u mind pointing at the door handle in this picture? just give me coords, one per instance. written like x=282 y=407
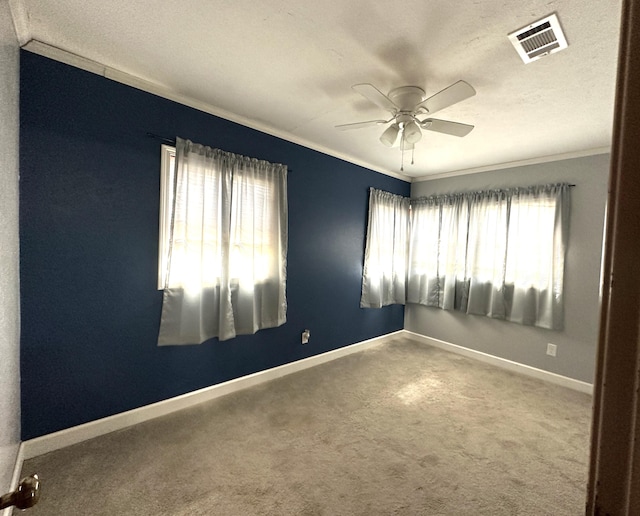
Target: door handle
x=26 y=495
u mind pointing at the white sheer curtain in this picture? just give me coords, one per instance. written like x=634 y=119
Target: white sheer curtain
x=424 y=275
x=385 y=260
x=487 y=253
x=535 y=277
x=226 y=258
x=497 y=253
x=438 y=247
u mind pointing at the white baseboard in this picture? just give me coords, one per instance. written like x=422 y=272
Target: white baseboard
x=57 y=440
x=509 y=365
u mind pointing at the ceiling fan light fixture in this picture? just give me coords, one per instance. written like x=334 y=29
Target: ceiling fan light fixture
x=406 y=146
x=412 y=133
x=388 y=137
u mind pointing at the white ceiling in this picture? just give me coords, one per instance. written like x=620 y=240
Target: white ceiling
x=287 y=66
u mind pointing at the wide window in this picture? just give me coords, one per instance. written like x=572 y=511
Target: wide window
x=223 y=244
x=498 y=253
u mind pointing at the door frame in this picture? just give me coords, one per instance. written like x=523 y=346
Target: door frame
x=614 y=470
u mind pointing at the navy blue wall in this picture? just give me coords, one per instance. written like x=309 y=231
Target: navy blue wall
x=89 y=201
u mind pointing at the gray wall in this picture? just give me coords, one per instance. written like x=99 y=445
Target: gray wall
x=527 y=345
x=9 y=311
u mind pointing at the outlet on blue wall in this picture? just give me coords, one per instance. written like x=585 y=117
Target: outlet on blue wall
x=89 y=202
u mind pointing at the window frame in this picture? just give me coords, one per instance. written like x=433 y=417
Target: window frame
x=167 y=178
x=167 y=171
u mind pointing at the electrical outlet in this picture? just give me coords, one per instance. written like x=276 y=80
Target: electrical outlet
x=551 y=349
x=306 y=335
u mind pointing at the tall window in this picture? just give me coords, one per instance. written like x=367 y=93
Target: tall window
x=385 y=265
x=223 y=244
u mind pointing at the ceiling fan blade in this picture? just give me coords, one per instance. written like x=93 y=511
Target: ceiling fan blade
x=451 y=95
x=446 y=127
x=370 y=92
x=359 y=125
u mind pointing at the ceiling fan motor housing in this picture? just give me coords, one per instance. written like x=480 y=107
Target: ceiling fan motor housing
x=407 y=97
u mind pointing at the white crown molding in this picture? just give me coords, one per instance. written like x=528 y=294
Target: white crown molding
x=63 y=56
x=20 y=21
x=513 y=164
x=38 y=47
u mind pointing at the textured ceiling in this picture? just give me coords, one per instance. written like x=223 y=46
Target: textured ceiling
x=287 y=67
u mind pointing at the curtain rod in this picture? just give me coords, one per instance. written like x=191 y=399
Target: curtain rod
x=171 y=141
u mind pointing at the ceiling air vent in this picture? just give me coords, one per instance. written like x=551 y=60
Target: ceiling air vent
x=539 y=39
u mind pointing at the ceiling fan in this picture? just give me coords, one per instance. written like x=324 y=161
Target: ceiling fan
x=406 y=104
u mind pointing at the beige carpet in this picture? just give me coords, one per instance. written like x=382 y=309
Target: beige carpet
x=400 y=429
